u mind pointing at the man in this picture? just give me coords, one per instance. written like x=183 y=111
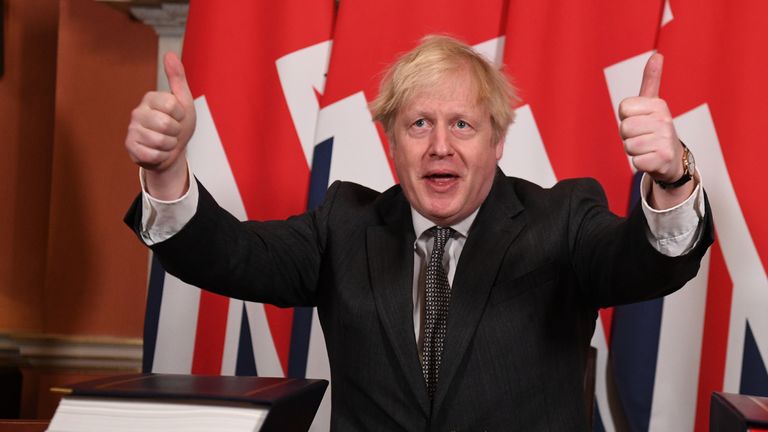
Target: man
x=461 y=299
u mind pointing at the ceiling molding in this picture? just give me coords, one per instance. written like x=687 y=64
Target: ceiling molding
x=126 y=5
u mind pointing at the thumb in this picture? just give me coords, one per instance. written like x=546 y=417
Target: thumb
x=652 y=76
x=177 y=79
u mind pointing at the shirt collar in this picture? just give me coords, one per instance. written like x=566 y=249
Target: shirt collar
x=422 y=224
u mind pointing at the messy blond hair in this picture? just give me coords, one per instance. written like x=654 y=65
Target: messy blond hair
x=424 y=66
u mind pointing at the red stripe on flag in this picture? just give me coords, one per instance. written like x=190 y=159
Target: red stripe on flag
x=713 y=349
x=716 y=55
x=369 y=36
x=230 y=53
x=557 y=57
x=210 y=334
x=606 y=316
x=280 y=325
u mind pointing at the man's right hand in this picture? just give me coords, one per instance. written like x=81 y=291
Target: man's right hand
x=160 y=129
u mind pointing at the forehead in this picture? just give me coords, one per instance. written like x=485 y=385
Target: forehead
x=456 y=89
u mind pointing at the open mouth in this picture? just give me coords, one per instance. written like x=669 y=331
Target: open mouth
x=441 y=180
x=441 y=176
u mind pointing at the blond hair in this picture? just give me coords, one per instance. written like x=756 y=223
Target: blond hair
x=427 y=64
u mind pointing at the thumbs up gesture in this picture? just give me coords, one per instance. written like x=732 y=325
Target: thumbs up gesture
x=159 y=131
x=648 y=132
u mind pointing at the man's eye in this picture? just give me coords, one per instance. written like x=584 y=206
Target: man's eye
x=420 y=123
x=461 y=124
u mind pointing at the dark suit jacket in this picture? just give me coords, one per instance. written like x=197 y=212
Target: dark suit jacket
x=536 y=266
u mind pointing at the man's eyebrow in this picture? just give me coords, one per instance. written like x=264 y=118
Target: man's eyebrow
x=417 y=113
x=428 y=112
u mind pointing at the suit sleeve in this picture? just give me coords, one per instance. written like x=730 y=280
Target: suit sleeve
x=276 y=262
x=612 y=257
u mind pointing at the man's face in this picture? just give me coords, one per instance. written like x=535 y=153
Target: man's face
x=443 y=152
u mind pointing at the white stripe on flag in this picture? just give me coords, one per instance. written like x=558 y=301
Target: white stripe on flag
x=358 y=155
x=209 y=162
x=666 y=16
x=601 y=374
x=265 y=355
x=318 y=367
x=492 y=49
x=676 y=385
x=524 y=153
x=232 y=338
x=750 y=286
x=176 y=327
x=301 y=73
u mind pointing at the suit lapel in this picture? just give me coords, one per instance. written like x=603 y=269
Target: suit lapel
x=390 y=261
x=498 y=223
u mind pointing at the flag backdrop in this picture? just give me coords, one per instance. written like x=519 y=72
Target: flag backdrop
x=251 y=151
x=282 y=89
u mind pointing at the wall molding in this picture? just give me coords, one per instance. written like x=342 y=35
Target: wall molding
x=92 y=353
x=170 y=19
x=167 y=17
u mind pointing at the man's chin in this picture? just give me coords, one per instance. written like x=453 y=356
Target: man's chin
x=442 y=217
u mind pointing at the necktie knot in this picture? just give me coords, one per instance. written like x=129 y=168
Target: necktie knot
x=441 y=235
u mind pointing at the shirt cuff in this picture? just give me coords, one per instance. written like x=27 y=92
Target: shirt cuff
x=160 y=220
x=674 y=231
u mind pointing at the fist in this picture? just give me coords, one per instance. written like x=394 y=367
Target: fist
x=646 y=127
x=163 y=123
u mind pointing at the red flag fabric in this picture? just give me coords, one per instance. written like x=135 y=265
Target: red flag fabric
x=715 y=83
x=256 y=167
x=258 y=69
x=369 y=36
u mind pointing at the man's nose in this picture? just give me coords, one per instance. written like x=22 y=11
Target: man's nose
x=440 y=142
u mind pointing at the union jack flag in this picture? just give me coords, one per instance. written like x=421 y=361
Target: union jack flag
x=282 y=90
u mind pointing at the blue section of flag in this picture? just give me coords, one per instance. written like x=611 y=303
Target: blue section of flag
x=152 y=314
x=597 y=425
x=246 y=363
x=321 y=172
x=754 y=377
x=300 y=332
x=302 y=316
x=634 y=349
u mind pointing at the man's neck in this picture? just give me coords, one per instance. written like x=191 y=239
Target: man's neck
x=422 y=223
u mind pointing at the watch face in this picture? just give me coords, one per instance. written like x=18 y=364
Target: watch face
x=691 y=165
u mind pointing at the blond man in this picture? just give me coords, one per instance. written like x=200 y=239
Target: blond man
x=460 y=299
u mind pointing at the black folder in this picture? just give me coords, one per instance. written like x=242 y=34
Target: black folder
x=292 y=403
x=730 y=412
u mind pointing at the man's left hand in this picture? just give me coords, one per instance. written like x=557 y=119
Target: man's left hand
x=650 y=137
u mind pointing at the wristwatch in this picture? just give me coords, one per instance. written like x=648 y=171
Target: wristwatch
x=689 y=167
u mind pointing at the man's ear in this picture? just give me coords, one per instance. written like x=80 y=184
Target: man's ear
x=500 y=148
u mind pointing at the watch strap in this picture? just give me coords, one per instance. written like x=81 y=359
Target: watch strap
x=675 y=184
x=686 y=173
